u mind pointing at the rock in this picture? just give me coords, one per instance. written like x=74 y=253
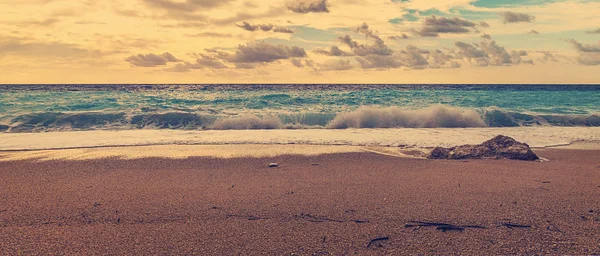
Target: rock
x=273 y=165
x=439 y=153
x=500 y=147
x=469 y=151
x=3 y=127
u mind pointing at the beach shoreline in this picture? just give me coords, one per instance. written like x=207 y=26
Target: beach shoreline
x=333 y=203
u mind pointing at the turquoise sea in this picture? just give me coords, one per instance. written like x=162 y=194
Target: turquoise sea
x=38 y=108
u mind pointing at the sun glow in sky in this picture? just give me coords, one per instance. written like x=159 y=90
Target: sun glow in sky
x=302 y=41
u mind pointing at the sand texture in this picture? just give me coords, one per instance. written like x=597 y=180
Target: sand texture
x=333 y=204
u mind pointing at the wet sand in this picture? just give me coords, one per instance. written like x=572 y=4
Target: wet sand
x=331 y=204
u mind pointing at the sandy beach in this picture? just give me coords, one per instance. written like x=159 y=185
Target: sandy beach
x=339 y=203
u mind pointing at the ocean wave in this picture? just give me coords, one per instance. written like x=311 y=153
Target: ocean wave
x=435 y=116
x=247 y=123
x=395 y=117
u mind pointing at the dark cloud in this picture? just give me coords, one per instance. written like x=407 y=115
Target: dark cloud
x=589 y=54
x=484 y=24
x=151 y=59
x=533 y=32
x=513 y=17
x=209 y=62
x=487 y=53
x=413 y=57
x=439 y=59
x=364 y=29
x=306 y=6
x=433 y=26
x=283 y=30
x=333 y=51
x=240 y=65
x=202 y=62
x=249 y=27
x=486 y=36
x=584 y=48
x=400 y=37
x=377 y=48
x=264 y=27
x=298 y=63
x=378 y=61
x=593 y=31
x=262 y=52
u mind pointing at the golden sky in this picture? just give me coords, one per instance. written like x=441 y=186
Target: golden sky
x=302 y=41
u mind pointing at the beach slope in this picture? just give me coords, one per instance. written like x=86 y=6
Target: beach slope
x=337 y=203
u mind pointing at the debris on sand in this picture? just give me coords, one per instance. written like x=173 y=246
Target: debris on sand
x=377 y=242
x=500 y=147
x=273 y=165
x=513 y=225
x=440 y=226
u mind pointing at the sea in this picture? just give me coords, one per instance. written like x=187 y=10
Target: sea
x=76 y=107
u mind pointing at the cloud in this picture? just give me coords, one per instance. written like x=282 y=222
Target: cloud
x=364 y=29
x=297 y=62
x=151 y=59
x=377 y=48
x=592 y=59
x=513 y=17
x=379 y=56
x=589 y=54
x=264 y=27
x=40 y=23
x=262 y=52
x=486 y=36
x=202 y=61
x=533 y=32
x=439 y=59
x=378 y=61
x=400 y=37
x=333 y=51
x=283 y=30
x=336 y=65
x=413 y=57
x=433 y=26
x=548 y=56
x=593 y=31
x=307 y=6
x=486 y=54
x=584 y=48
x=210 y=34
x=247 y=26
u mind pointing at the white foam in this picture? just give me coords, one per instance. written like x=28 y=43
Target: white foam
x=409 y=137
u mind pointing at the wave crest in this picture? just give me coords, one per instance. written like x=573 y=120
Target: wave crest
x=392 y=117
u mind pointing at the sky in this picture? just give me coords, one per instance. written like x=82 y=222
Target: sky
x=302 y=41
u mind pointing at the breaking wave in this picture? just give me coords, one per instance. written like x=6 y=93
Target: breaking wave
x=364 y=117
x=394 y=117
